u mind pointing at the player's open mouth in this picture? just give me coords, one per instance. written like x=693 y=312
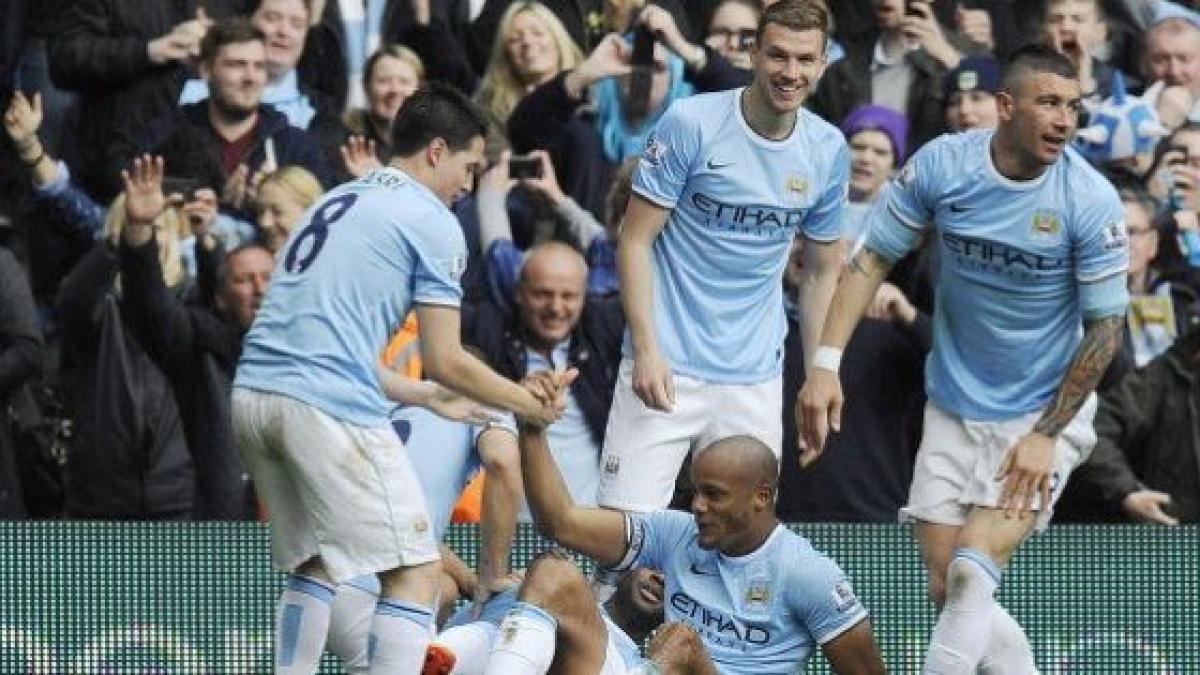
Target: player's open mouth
x=1055 y=142
x=650 y=595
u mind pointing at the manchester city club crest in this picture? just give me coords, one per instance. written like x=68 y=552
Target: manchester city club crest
x=797 y=185
x=1046 y=224
x=758 y=593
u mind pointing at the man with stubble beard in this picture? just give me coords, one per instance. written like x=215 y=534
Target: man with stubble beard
x=249 y=137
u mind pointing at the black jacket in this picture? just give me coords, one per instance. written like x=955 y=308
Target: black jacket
x=198 y=351
x=847 y=85
x=20 y=360
x=128 y=457
x=1148 y=431
x=595 y=349
x=293 y=146
x=100 y=53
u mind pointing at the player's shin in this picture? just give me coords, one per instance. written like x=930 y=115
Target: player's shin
x=301 y=622
x=961 y=635
x=400 y=633
x=350 y=621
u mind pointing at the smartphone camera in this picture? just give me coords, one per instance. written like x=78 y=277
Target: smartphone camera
x=520 y=167
x=182 y=186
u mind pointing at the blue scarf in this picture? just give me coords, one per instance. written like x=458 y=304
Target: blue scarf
x=621 y=141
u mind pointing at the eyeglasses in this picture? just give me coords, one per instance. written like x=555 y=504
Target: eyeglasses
x=744 y=38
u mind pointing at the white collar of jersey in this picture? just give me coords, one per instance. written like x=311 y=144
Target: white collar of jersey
x=1022 y=185
x=757 y=138
x=757 y=553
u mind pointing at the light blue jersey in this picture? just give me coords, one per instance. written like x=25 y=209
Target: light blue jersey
x=760 y=614
x=1022 y=265
x=738 y=200
x=444 y=455
x=354 y=266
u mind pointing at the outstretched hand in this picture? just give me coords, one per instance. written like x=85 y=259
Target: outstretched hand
x=358 y=156
x=144 y=199
x=23 y=118
x=549 y=390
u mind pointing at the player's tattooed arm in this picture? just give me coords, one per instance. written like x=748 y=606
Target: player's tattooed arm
x=1101 y=340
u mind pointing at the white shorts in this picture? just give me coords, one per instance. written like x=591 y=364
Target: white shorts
x=342 y=492
x=958 y=460
x=644 y=448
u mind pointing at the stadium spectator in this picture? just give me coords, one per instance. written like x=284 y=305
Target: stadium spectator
x=998 y=442
x=195 y=347
x=725 y=184
x=20 y=362
x=900 y=64
x=865 y=474
x=250 y=137
x=284 y=25
x=1173 y=54
x=588 y=144
x=504 y=259
x=310 y=397
x=1077 y=29
x=129 y=457
x=970 y=92
x=390 y=76
x=732 y=31
x=1146 y=465
x=282 y=198
x=733 y=536
x=126 y=59
x=877 y=136
x=586 y=21
x=554 y=324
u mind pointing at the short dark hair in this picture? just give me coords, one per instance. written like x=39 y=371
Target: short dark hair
x=796 y=15
x=1036 y=57
x=228 y=32
x=221 y=276
x=436 y=111
x=1130 y=188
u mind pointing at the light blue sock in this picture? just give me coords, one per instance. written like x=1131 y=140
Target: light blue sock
x=301 y=622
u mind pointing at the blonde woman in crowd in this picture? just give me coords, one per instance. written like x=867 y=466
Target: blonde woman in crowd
x=531 y=48
x=283 y=197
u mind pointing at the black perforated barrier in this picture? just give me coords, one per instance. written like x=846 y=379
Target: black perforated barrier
x=198 y=598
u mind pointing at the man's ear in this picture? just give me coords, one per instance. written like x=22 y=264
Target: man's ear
x=205 y=71
x=1005 y=104
x=436 y=151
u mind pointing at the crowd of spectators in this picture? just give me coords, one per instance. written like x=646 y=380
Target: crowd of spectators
x=117 y=351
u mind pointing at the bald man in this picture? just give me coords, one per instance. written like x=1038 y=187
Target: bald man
x=553 y=324
x=743 y=594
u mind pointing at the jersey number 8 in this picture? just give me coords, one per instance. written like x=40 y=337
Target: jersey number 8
x=317 y=230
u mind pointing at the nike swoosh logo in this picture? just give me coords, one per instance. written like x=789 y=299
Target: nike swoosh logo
x=959 y=208
x=696 y=570
x=713 y=164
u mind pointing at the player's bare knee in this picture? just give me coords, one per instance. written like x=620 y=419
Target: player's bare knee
x=418 y=583
x=937 y=590
x=555 y=584
x=314 y=569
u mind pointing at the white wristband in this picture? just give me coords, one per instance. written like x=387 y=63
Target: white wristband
x=827 y=358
